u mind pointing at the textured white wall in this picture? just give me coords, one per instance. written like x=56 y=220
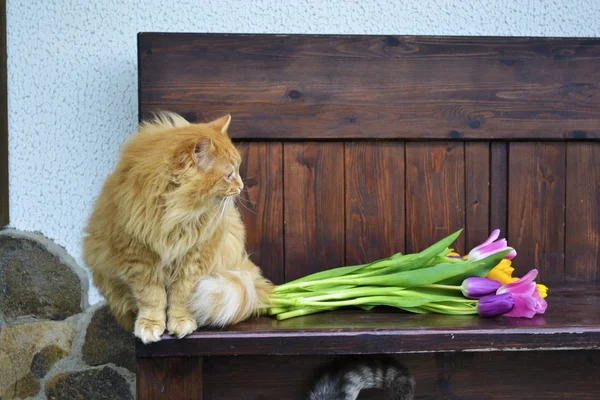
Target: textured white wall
x=72 y=75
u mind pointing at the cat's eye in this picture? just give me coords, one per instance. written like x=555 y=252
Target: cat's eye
x=230 y=176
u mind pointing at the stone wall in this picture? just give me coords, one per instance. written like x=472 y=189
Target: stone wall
x=52 y=344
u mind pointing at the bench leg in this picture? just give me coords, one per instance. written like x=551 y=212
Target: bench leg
x=166 y=378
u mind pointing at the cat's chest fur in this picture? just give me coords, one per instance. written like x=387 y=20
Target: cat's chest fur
x=200 y=240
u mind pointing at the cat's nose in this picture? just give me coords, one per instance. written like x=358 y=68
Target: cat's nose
x=241 y=186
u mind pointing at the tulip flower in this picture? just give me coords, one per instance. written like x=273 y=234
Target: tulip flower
x=495 y=304
x=526 y=296
x=476 y=288
x=490 y=246
x=424 y=282
x=543 y=290
x=453 y=254
x=503 y=273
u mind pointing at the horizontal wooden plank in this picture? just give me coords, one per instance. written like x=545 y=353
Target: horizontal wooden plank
x=571 y=322
x=407 y=87
x=505 y=375
x=169 y=378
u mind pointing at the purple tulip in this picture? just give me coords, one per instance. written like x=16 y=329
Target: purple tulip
x=526 y=296
x=490 y=246
x=495 y=304
x=475 y=288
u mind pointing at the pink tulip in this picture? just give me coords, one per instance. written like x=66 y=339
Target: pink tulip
x=528 y=301
x=490 y=247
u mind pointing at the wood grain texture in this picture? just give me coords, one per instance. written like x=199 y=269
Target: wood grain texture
x=536 y=213
x=407 y=87
x=435 y=193
x=261 y=205
x=499 y=187
x=582 y=246
x=3 y=120
x=477 y=193
x=374 y=200
x=572 y=321
x=512 y=375
x=314 y=207
x=169 y=378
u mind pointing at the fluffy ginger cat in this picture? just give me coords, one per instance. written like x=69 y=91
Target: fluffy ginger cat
x=165 y=241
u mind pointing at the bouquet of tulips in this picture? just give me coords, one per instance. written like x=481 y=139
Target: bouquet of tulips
x=436 y=280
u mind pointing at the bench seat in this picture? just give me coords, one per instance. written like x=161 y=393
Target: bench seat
x=572 y=322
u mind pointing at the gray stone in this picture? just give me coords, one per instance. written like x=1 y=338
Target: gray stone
x=45 y=359
x=27 y=386
x=92 y=384
x=20 y=345
x=35 y=282
x=106 y=342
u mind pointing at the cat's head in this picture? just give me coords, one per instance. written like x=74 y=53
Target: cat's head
x=205 y=165
x=191 y=167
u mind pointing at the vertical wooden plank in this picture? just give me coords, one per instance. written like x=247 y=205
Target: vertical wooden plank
x=314 y=207
x=477 y=193
x=261 y=205
x=536 y=207
x=374 y=200
x=499 y=187
x=3 y=120
x=582 y=237
x=435 y=193
x=164 y=378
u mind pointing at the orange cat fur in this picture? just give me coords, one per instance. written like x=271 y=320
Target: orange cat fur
x=165 y=241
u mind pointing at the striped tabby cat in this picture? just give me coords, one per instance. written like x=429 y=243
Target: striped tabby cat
x=345 y=380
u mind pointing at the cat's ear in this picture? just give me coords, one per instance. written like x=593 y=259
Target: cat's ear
x=222 y=123
x=203 y=153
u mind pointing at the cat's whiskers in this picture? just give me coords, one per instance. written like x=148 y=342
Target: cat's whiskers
x=225 y=207
x=245 y=206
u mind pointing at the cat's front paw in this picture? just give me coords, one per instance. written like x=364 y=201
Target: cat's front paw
x=181 y=326
x=149 y=330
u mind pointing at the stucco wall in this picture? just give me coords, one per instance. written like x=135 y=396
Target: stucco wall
x=72 y=75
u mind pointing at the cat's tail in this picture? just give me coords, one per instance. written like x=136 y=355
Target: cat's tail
x=346 y=379
x=228 y=297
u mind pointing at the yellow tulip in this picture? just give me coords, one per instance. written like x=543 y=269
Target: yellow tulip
x=543 y=290
x=502 y=273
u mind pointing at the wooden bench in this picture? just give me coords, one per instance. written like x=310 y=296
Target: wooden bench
x=358 y=147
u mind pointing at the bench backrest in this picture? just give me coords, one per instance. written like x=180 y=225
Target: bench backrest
x=358 y=147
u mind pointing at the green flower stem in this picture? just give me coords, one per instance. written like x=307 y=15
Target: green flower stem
x=443 y=309
x=349 y=293
x=278 y=310
x=448 y=287
x=282 y=302
x=392 y=301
